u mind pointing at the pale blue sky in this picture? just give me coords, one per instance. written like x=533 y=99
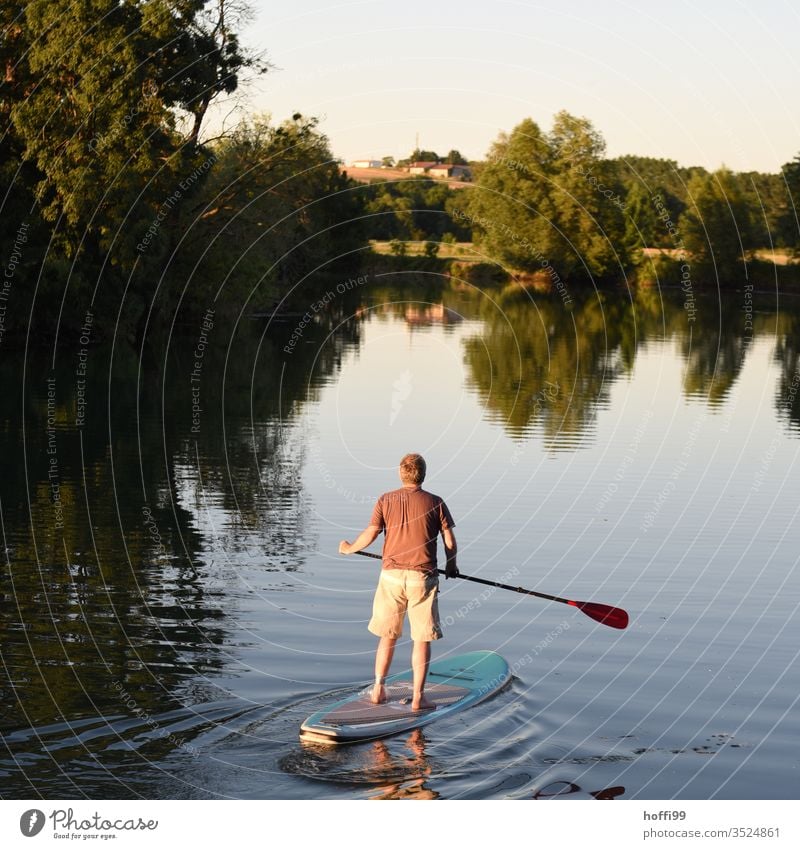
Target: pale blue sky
x=705 y=83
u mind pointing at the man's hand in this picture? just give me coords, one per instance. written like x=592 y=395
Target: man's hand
x=451 y=552
x=364 y=539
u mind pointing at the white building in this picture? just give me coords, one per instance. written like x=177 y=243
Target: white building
x=454 y=172
x=421 y=167
x=366 y=163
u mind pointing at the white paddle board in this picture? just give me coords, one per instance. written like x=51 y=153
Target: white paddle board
x=453 y=684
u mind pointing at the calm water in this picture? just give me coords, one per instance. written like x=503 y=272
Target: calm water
x=173 y=605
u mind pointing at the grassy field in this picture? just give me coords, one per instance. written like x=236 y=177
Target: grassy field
x=464 y=251
x=778 y=256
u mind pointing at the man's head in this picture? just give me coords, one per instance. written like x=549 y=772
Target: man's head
x=412 y=470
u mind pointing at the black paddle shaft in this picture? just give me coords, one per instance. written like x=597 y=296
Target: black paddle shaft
x=487 y=583
x=614 y=617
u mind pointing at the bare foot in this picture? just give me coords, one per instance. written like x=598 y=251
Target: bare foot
x=421 y=703
x=378 y=696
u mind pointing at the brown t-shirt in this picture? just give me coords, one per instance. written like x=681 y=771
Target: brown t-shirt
x=412 y=520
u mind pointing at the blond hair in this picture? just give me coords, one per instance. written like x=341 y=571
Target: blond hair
x=412 y=469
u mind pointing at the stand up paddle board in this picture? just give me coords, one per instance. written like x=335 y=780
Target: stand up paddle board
x=453 y=684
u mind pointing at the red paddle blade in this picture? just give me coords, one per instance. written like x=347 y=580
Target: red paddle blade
x=614 y=617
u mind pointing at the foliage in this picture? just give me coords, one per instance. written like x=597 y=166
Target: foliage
x=273 y=208
x=103 y=108
x=768 y=198
x=413 y=209
x=540 y=201
x=418 y=155
x=787 y=221
x=663 y=183
x=717 y=226
x=642 y=228
x=454 y=157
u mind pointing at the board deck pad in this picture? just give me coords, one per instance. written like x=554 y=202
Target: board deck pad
x=398 y=703
x=453 y=684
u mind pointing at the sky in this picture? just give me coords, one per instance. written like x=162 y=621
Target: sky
x=704 y=83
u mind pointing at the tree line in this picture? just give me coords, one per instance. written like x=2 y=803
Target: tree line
x=115 y=201
x=553 y=202
x=553 y=199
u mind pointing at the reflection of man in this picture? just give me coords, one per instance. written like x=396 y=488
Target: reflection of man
x=409 y=583
x=408 y=774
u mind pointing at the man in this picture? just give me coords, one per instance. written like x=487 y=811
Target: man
x=409 y=583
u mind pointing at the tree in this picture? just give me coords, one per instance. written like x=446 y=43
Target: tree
x=18 y=178
x=588 y=204
x=511 y=207
x=96 y=94
x=769 y=200
x=213 y=58
x=549 y=202
x=717 y=226
x=454 y=157
x=387 y=162
x=641 y=224
x=413 y=209
x=274 y=208
x=418 y=155
x=655 y=175
x=788 y=224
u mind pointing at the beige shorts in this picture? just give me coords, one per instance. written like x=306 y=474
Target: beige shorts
x=402 y=591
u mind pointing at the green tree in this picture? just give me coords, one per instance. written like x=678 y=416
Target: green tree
x=96 y=96
x=717 y=226
x=511 y=207
x=212 y=59
x=454 y=157
x=418 y=155
x=414 y=209
x=18 y=177
x=274 y=208
x=549 y=201
x=788 y=221
x=641 y=223
x=655 y=175
x=769 y=201
x=95 y=124
x=588 y=204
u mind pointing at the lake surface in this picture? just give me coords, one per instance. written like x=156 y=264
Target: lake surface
x=173 y=604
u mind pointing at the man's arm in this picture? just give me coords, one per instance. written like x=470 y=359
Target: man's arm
x=451 y=552
x=364 y=539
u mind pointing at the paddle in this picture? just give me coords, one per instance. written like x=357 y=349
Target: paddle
x=614 y=617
